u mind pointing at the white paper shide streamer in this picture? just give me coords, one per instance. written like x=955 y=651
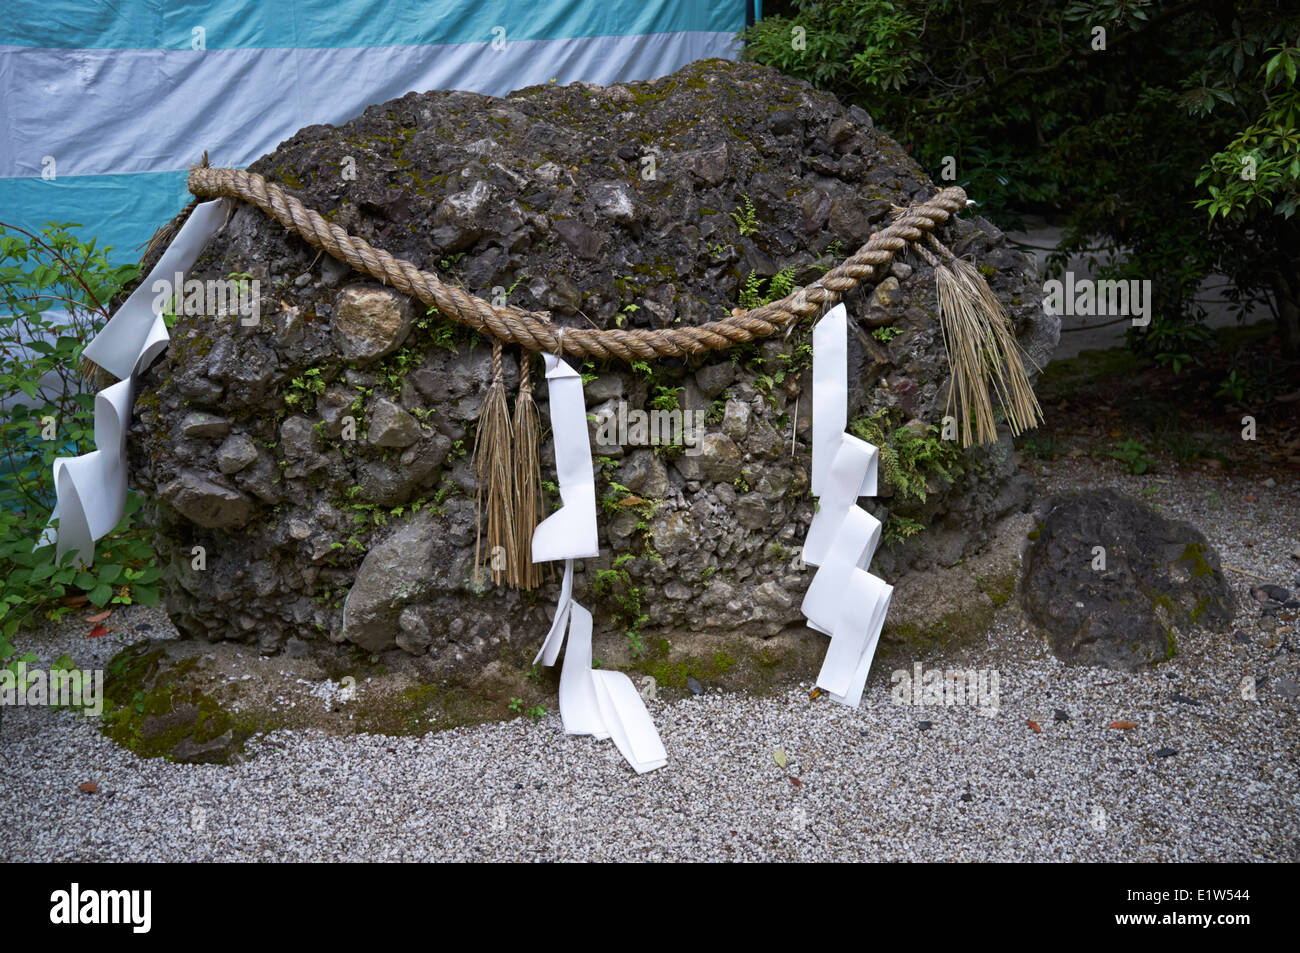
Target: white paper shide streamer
x=843 y=600
x=91 y=489
x=592 y=701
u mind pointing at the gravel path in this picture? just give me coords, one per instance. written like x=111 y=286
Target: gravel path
x=1204 y=775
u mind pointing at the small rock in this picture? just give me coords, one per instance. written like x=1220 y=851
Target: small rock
x=925 y=725
x=390 y=426
x=370 y=321
x=1240 y=636
x=1061 y=715
x=888 y=294
x=235 y=453
x=694 y=685
x=207 y=503
x=1166 y=752
x=199 y=424
x=735 y=420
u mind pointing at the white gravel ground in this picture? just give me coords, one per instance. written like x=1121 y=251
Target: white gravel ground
x=867 y=784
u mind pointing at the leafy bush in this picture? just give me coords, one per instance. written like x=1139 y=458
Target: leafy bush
x=1133 y=143
x=48 y=413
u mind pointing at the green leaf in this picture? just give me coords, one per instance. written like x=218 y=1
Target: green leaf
x=100 y=594
x=145 y=595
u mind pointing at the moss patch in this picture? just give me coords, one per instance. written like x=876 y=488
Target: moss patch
x=151 y=709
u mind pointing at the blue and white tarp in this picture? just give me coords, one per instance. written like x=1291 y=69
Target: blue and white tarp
x=104 y=105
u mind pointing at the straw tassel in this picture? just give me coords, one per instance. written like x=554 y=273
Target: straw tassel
x=492 y=471
x=527 y=480
x=982 y=350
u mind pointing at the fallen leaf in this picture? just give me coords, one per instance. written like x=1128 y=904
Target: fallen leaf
x=779 y=757
x=631 y=501
x=99 y=616
x=1249 y=497
x=1034 y=725
x=1076 y=452
x=795 y=781
x=88 y=787
x=1123 y=725
x=75 y=601
x=98 y=632
x=815 y=694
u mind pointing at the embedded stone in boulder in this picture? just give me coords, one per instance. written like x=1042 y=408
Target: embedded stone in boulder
x=235 y=453
x=1108 y=580
x=390 y=426
x=370 y=321
x=395 y=574
x=199 y=424
x=206 y=502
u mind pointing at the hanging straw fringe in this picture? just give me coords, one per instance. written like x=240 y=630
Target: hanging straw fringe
x=524 y=574
x=492 y=474
x=982 y=350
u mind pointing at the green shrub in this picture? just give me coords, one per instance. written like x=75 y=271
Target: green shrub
x=49 y=413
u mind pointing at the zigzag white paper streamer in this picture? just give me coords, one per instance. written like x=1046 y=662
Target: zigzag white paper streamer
x=592 y=702
x=90 y=490
x=843 y=600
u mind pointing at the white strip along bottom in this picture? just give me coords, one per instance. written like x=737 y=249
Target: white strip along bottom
x=592 y=701
x=90 y=490
x=843 y=600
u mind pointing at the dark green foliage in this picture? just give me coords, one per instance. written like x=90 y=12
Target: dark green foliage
x=1134 y=143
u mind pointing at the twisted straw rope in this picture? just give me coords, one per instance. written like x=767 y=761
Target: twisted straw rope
x=535 y=331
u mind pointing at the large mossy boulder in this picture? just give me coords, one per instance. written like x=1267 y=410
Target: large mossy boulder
x=348 y=408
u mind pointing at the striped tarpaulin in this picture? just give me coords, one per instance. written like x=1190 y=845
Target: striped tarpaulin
x=104 y=105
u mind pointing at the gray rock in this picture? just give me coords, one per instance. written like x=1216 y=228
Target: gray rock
x=614 y=201
x=583 y=241
x=735 y=420
x=1158 y=575
x=753 y=512
x=605 y=387
x=720 y=459
x=417 y=627
x=370 y=321
x=199 y=424
x=394 y=574
x=644 y=473
x=888 y=294
x=206 y=503
x=333 y=406
x=298 y=437
x=673 y=533
x=235 y=453
x=390 y=426
x=713 y=378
